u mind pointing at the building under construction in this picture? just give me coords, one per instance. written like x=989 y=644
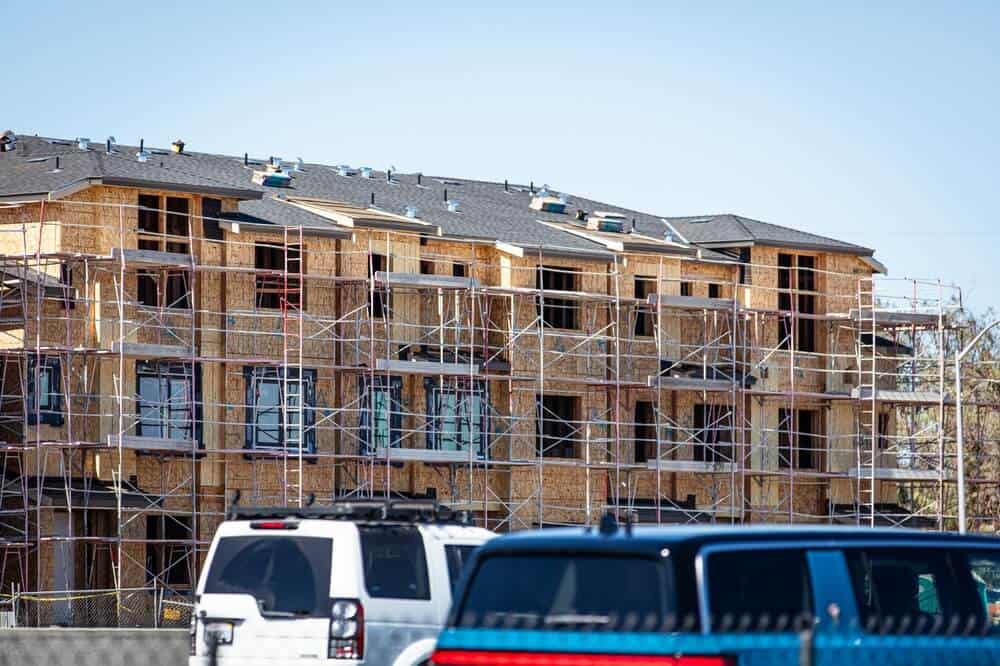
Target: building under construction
x=177 y=328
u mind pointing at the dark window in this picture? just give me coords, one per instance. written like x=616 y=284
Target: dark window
x=457 y=417
x=714 y=290
x=285 y=574
x=926 y=586
x=556 y=431
x=745 y=277
x=785 y=262
x=806 y=277
x=686 y=289
x=798 y=439
x=459 y=270
x=713 y=433
x=281 y=413
x=68 y=301
x=791 y=298
x=884 y=436
x=150 y=228
x=168 y=400
x=211 y=211
x=381 y=420
x=644 y=316
x=645 y=432
x=379 y=302
x=742 y=584
x=570 y=591
x=147 y=288
x=395 y=564
x=178 y=292
x=178 y=225
x=457 y=558
x=168 y=561
x=43 y=397
x=276 y=286
x=426 y=267
x=558 y=312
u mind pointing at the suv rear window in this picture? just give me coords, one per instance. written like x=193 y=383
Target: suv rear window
x=568 y=591
x=286 y=575
x=395 y=562
x=754 y=584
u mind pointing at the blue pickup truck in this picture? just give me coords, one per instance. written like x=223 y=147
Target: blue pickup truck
x=713 y=596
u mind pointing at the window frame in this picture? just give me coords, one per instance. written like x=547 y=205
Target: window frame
x=558 y=313
x=648 y=445
x=379 y=297
x=161 y=553
x=146 y=368
x=51 y=412
x=368 y=386
x=211 y=211
x=557 y=445
x=790 y=444
x=253 y=378
x=645 y=323
x=710 y=447
x=464 y=391
x=269 y=288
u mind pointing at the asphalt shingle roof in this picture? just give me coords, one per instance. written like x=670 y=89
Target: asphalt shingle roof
x=486 y=209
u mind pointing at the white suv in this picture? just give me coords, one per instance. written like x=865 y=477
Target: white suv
x=354 y=583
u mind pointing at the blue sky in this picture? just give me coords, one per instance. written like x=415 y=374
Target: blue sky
x=871 y=122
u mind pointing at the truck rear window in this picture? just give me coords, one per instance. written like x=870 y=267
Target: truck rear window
x=288 y=576
x=569 y=591
x=919 y=591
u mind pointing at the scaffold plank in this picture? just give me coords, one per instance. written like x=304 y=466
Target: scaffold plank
x=418 y=280
x=426 y=367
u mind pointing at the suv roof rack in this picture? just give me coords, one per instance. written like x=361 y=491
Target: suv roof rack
x=378 y=511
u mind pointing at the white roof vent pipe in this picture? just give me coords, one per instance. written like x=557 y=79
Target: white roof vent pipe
x=452 y=206
x=299 y=165
x=366 y=172
x=410 y=211
x=343 y=170
x=83 y=143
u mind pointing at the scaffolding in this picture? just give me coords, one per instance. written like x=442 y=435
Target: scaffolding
x=150 y=380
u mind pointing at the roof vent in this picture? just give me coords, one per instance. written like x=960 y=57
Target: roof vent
x=142 y=156
x=410 y=211
x=177 y=146
x=300 y=166
x=109 y=145
x=608 y=222
x=343 y=170
x=272 y=176
x=547 y=202
x=366 y=172
x=452 y=206
x=8 y=141
x=83 y=143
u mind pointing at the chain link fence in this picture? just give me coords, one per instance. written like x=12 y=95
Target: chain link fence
x=493 y=640
x=126 y=608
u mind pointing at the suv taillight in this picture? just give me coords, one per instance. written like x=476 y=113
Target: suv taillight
x=193 y=631
x=504 y=658
x=347 y=629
